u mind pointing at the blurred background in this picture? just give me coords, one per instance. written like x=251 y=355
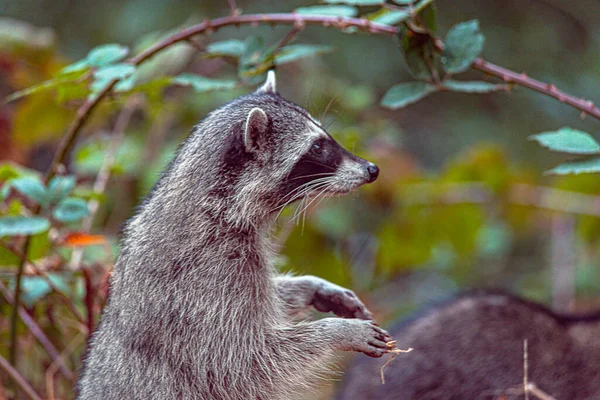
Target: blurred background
x=462 y=200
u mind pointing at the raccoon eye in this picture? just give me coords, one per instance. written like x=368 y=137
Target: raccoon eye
x=317 y=149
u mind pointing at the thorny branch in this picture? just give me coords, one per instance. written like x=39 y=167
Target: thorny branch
x=508 y=76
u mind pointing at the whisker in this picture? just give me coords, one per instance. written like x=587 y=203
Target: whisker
x=323 y=165
x=305 y=209
x=313 y=175
x=301 y=191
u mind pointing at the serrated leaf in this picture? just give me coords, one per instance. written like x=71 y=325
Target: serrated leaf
x=294 y=52
x=388 y=17
x=31 y=187
x=202 y=84
x=357 y=2
x=403 y=94
x=464 y=43
x=19 y=226
x=577 y=167
x=106 y=54
x=336 y=11
x=568 y=140
x=472 y=86
x=70 y=209
x=59 y=187
x=231 y=48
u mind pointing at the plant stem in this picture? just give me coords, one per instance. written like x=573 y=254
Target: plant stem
x=585 y=106
x=18 y=379
x=14 y=316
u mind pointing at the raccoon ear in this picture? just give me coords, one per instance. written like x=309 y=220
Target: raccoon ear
x=255 y=129
x=270 y=84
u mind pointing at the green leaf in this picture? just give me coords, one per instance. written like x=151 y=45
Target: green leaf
x=296 y=51
x=18 y=225
x=568 y=140
x=105 y=75
x=106 y=54
x=59 y=187
x=357 y=2
x=231 y=48
x=388 y=17
x=464 y=43
x=254 y=60
x=36 y=287
x=336 y=11
x=125 y=85
x=472 y=86
x=202 y=84
x=404 y=2
x=32 y=187
x=76 y=66
x=577 y=167
x=61 y=80
x=403 y=94
x=418 y=51
x=70 y=209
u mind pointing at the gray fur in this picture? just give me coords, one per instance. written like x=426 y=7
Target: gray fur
x=472 y=348
x=195 y=309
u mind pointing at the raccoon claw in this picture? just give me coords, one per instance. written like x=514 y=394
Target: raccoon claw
x=365 y=337
x=342 y=302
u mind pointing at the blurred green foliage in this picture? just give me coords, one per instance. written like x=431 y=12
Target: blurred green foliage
x=462 y=199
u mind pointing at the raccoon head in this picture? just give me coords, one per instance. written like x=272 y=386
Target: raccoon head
x=288 y=155
x=250 y=158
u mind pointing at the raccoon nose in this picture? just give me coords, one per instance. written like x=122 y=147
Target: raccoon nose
x=373 y=171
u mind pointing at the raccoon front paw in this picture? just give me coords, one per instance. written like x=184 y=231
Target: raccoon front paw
x=342 y=302
x=363 y=336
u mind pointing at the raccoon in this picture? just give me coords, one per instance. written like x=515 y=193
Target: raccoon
x=196 y=310
x=472 y=347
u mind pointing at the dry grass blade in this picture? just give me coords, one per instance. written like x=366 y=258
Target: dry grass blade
x=394 y=351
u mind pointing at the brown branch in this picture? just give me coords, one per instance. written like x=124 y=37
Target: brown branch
x=37 y=332
x=68 y=141
x=585 y=106
x=13 y=350
x=18 y=379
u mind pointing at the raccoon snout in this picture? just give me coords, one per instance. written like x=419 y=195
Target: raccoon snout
x=373 y=171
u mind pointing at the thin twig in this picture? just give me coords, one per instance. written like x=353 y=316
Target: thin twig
x=18 y=379
x=525 y=370
x=48 y=281
x=51 y=370
x=290 y=35
x=104 y=173
x=393 y=351
x=585 y=106
x=14 y=321
x=37 y=332
x=537 y=392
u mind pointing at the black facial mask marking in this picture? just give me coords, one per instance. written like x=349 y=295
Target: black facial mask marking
x=320 y=161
